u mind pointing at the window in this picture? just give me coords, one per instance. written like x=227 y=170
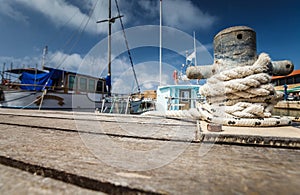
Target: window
x=72 y=82
x=92 y=85
x=290 y=80
x=185 y=95
x=83 y=84
x=282 y=81
x=275 y=83
x=100 y=86
x=297 y=79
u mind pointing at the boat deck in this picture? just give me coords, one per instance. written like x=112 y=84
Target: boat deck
x=90 y=153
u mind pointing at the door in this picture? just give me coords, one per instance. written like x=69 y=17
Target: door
x=185 y=99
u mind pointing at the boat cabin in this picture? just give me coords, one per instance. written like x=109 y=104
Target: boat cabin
x=177 y=97
x=57 y=80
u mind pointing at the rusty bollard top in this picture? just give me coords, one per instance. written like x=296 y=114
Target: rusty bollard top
x=235 y=46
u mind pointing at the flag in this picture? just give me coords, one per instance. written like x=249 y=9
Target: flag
x=191 y=56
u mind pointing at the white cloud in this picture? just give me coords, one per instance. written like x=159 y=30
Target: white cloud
x=65 y=61
x=54 y=60
x=152 y=7
x=19 y=62
x=147 y=76
x=185 y=15
x=7 y=9
x=182 y=14
x=61 y=13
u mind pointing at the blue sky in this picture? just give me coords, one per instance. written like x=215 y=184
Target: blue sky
x=28 y=25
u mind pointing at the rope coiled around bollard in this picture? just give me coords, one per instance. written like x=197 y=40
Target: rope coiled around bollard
x=242 y=96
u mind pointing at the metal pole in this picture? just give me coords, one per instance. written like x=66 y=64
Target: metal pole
x=109 y=48
x=109 y=37
x=195 y=49
x=45 y=52
x=186 y=56
x=35 y=74
x=160 y=43
x=11 y=67
x=3 y=73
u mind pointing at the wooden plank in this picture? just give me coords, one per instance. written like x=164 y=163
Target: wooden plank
x=51 y=144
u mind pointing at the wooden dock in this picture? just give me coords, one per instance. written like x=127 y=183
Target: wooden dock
x=66 y=152
x=295 y=105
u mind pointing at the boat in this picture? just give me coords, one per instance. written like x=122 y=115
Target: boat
x=62 y=90
x=180 y=96
x=51 y=89
x=177 y=97
x=54 y=88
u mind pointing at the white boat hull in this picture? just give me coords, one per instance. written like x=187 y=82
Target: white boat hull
x=51 y=100
x=67 y=101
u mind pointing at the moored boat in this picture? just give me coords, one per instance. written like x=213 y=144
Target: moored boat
x=58 y=89
x=53 y=88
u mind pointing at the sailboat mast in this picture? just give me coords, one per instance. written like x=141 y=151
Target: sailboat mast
x=109 y=38
x=110 y=20
x=160 y=41
x=195 y=49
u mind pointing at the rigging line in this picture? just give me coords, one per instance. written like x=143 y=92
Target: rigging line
x=69 y=40
x=127 y=46
x=63 y=26
x=79 y=33
x=78 y=37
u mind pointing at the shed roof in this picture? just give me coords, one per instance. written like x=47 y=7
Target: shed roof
x=295 y=72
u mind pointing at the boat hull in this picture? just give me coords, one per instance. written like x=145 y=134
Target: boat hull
x=51 y=100
x=68 y=101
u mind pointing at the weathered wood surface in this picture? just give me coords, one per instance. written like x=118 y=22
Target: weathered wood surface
x=283 y=136
x=15 y=181
x=295 y=105
x=128 y=154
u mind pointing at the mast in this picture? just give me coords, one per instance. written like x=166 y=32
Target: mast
x=195 y=49
x=160 y=41
x=110 y=20
x=109 y=39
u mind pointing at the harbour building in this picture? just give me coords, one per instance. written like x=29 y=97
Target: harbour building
x=291 y=81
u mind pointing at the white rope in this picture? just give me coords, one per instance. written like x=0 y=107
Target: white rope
x=242 y=96
x=43 y=95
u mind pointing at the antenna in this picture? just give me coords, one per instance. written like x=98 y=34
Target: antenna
x=45 y=52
